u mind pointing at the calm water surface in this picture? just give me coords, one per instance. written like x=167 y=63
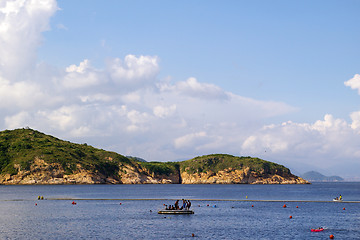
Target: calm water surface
x=98 y=213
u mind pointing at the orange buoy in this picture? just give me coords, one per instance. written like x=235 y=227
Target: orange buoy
x=331 y=236
x=297 y=206
x=284 y=206
x=290 y=217
x=252 y=205
x=193 y=235
x=343 y=208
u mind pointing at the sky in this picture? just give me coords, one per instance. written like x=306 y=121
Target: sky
x=172 y=80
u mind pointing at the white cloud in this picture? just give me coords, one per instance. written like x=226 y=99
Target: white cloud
x=354 y=82
x=134 y=71
x=21 y=25
x=20 y=94
x=355 y=117
x=190 y=140
x=163 y=112
x=18 y=120
x=326 y=141
x=83 y=76
x=192 y=88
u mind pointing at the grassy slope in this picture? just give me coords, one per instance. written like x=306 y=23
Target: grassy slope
x=22 y=146
x=217 y=162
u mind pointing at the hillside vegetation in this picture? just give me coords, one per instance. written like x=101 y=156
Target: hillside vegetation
x=218 y=162
x=30 y=157
x=20 y=147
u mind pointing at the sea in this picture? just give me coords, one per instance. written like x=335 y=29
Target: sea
x=221 y=211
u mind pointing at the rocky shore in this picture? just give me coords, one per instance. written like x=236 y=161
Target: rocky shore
x=44 y=173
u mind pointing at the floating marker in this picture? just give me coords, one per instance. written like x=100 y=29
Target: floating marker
x=343 y=208
x=284 y=206
x=35 y=204
x=297 y=206
x=331 y=236
x=252 y=205
x=290 y=217
x=193 y=235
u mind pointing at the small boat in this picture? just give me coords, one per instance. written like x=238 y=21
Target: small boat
x=175 y=212
x=317 y=229
x=337 y=200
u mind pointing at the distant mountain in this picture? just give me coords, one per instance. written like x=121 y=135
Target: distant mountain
x=314 y=176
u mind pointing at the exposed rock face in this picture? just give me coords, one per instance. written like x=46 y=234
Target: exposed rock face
x=44 y=173
x=230 y=176
x=137 y=175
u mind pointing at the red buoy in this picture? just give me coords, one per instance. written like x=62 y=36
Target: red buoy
x=35 y=204
x=297 y=206
x=290 y=217
x=331 y=236
x=284 y=206
x=343 y=208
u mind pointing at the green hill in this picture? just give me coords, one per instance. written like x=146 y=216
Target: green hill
x=30 y=157
x=218 y=162
x=20 y=147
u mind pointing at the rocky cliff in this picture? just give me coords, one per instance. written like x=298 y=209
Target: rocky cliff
x=31 y=157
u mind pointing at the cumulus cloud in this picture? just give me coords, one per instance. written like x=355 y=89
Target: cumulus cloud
x=190 y=140
x=162 y=112
x=355 y=117
x=21 y=25
x=354 y=82
x=318 y=143
x=134 y=71
x=192 y=88
x=20 y=94
x=82 y=76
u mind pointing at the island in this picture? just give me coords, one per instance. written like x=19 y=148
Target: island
x=30 y=157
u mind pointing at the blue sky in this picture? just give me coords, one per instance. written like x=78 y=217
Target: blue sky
x=299 y=52
x=169 y=80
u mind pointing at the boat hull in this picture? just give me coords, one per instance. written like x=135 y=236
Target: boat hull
x=175 y=212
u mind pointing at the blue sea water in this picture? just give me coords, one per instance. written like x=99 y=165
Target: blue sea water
x=221 y=212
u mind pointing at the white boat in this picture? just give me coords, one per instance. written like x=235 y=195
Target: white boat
x=337 y=200
x=175 y=212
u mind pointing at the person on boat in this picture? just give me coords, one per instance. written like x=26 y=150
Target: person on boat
x=184 y=204
x=340 y=198
x=177 y=204
x=189 y=204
